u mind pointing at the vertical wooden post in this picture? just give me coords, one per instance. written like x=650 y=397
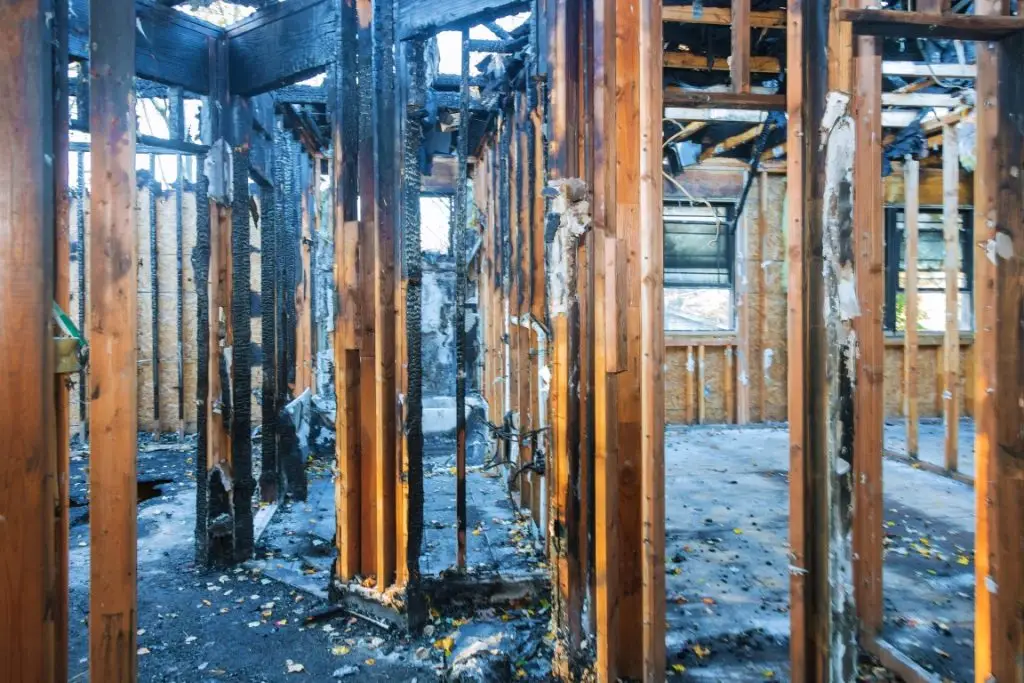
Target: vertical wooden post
x=762 y=296
x=606 y=361
x=999 y=368
x=701 y=385
x=627 y=228
x=951 y=266
x=691 y=386
x=345 y=143
x=821 y=641
x=62 y=296
x=30 y=631
x=367 y=305
x=459 y=217
x=744 y=344
x=386 y=196
x=652 y=340
x=113 y=409
x=739 y=61
x=414 y=75
x=911 y=185
x=868 y=387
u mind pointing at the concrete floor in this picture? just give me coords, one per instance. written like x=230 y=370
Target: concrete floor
x=931 y=442
x=727 y=566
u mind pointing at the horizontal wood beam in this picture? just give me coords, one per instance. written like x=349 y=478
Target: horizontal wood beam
x=722 y=16
x=693 y=61
x=282 y=44
x=714 y=115
x=894 y=24
x=422 y=17
x=680 y=97
x=171 y=47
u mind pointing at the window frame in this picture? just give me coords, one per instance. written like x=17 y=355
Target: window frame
x=894 y=240
x=731 y=227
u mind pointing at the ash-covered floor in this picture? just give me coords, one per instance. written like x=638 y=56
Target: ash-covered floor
x=931 y=442
x=251 y=624
x=727 y=502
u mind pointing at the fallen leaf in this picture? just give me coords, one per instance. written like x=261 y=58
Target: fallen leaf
x=142 y=651
x=371 y=661
x=679 y=668
x=340 y=650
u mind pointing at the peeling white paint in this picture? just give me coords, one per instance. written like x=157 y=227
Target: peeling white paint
x=991 y=586
x=572 y=210
x=768 y=359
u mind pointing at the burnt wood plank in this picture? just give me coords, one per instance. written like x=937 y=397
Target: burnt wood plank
x=421 y=17
x=170 y=47
x=282 y=44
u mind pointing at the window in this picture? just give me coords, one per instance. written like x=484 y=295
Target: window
x=699 y=260
x=931 y=278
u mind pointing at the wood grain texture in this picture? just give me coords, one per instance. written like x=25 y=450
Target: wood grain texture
x=869 y=271
x=739 y=61
x=282 y=44
x=113 y=326
x=911 y=174
x=951 y=266
x=999 y=365
x=28 y=471
x=652 y=340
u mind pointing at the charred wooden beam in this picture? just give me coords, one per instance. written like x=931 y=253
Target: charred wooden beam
x=910 y=25
x=411 y=419
x=113 y=326
x=29 y=497
x=301 y=94
x=423 y=17
x=170 y=46
x=459 y=218
x=387 y=166
x=281 y=44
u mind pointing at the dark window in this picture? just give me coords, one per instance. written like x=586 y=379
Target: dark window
x=931 y=278
x=699 y=263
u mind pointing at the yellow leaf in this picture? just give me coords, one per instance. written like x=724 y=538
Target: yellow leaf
x=700 y=651
x=768 y=673
x=520 y=673
x=445 y=644
x=737 y=531
x=679 y=668
x=963 y=559
x=340 y=650
x=371 y=661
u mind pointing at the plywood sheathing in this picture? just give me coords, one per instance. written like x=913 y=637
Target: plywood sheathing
x=167 y=327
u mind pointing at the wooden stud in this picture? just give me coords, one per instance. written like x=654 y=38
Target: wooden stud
x=113 y=323
x=627 y=217
x=868 y=391
x=345 y=146
x=730 y=387
x=691 y=386
x=999 y=366
x=762 y=295
x=911 y=211
x=821 y=637
x=367 y=180
x=951 y=343
x=652 y=340
x=62 y=296
x=385 y=197
x=701 y=387
x=739 y=61
x=460 y=217
x=30 y=627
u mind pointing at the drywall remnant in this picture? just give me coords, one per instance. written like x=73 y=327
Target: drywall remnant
x=217 y=169
x=568 y=220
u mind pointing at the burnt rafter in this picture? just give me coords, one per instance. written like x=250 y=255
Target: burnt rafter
x=170 y=47
x=282 y=44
